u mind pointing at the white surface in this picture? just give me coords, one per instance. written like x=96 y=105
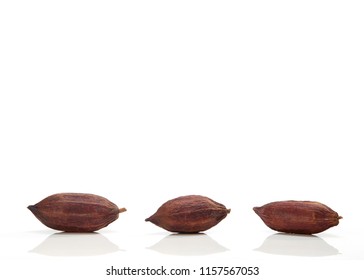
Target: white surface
x=140 y=102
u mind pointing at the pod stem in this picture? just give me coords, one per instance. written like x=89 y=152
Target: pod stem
x=121 y=210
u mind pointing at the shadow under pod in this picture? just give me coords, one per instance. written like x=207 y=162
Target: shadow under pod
x=297 y=245
x=75 y=244
x=188 y=245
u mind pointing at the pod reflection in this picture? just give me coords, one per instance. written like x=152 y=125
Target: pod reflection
x=75 y=244
x=297 y=245
x=188 y=245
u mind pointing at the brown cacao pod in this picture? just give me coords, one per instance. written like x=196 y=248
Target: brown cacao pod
x=302 y=217
x=76 y=212
x=189 y=214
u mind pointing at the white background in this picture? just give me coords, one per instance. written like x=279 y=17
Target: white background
x=245 y=102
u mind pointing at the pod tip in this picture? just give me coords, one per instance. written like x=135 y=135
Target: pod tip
x=121 y=210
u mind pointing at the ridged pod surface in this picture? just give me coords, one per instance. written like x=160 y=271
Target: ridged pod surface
x=189 y=214
x=76 y=212
x=302 y=217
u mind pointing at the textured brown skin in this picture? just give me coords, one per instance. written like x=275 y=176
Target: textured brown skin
x=189 y=214
x=301 y=217
x=76 y=212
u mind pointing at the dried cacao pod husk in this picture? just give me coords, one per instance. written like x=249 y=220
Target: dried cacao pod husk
x=301 y=217
x=189 y=214
x=76 y=212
